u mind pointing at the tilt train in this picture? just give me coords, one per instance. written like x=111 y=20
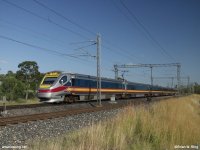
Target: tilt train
x=57 y=86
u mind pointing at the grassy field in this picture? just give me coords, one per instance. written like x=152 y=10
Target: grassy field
x=161 y=125
x=20 y=102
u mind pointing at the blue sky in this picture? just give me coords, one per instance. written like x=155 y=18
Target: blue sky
x=162 y=32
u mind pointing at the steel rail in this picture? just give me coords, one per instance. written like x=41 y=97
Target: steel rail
x=22 y=119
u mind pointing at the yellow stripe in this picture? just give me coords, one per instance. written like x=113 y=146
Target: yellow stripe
x=114 y=90
x=44 y=86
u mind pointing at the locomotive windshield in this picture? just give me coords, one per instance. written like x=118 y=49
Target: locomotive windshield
x=63 y=80
x=49 y=80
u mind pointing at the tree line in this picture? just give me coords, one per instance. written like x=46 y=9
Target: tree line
x=22 y=84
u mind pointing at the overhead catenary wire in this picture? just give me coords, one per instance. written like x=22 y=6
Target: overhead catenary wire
x=76 y=49
x=67 y=19
x=48 y=50
x=163 y=50
x=38 y=47
x=55 y=52
x=82 y=47
x=21 y=27
x=27 y=44
x=63 y=27
x=64 y=17
x=45 y=19
x=126 y=16
x=121 y=52
x=121 y=11
x=60 y=26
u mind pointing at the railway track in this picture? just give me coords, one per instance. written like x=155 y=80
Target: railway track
x=10 y=107
x=43 y=116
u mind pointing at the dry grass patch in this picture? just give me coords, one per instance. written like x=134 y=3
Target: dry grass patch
x=161 y=125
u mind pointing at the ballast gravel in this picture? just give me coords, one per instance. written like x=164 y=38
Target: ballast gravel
x=20 y=134
x=44 y=109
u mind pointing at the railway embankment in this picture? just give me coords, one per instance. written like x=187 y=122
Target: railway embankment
x=22 y=134
x=16 y=135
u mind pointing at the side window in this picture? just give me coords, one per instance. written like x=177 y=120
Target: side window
x=63 y=80
x=74 y=82
x=68 y=84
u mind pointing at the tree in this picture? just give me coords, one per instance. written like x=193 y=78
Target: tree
x=2 y=76
x=1 y=93
x=10 y=74
x=196 y=88
x=12 y=88
x=29 y=74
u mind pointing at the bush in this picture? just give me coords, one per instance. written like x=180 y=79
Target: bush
x=197 y=89
x=12 y=88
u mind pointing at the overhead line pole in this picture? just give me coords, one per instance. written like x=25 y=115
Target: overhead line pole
x=151 y=75
x=98 y=59
x=178 y=76
x=188 y=80
x=98 y=42
x=172 y=78
x=178 y=65
x=116 y=70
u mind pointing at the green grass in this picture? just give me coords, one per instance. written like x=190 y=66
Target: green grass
x=158 y=126
x=20 y=102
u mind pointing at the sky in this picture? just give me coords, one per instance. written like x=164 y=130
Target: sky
x=61 y=35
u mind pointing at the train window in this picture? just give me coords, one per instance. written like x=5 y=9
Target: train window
x=103 y=84
x=80 y=83
x=73 y=82
x=68 y=84
x=131 y=87
x=63 y=80
x=94 y=84
x=49 y=80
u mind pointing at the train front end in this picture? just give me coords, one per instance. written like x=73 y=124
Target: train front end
x=45 y=92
